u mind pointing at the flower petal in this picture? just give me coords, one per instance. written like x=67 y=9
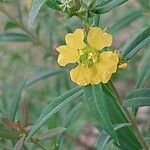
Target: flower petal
x=107 y=65
x=95 y=77
x=81 y=75
x=67 y=55
x=99 y=39
x=75 y=40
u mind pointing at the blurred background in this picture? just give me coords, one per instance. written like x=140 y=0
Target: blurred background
x=28 y=52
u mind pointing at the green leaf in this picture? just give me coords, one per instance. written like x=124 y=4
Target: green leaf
x=106 y=8
x=36 y=6
x=55 y=106
x=126 y=136
x=104 y=137
x=138 y=98
x=9 y=134
x=143 y=76
x=10 y=25
x=12 y=37
x=97 y=105
x=15 y=100
x=72 y=114
x=125 y=20
x=51 y=133
x=102 y=2
x=145 y=3
x=54 y=4
x=147 y=139
x=131 y=48
x=42 y=75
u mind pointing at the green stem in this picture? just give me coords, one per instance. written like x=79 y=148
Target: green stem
x=130 y=119
x=96 y=20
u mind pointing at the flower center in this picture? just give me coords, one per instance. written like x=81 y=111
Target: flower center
x=89 y=56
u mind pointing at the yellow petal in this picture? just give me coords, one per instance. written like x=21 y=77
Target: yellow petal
x=107 y=65
x=107 y=39
x=99 y=39
x=67 y=55
x=75 y=40
x=95 y=77
x=81 y=75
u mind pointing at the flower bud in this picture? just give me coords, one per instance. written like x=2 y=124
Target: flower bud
x=70 y=6
x=123 y=66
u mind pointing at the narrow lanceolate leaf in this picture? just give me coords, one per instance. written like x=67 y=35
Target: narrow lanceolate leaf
x=42 y=75
x=104 y=137
x=102 y=2
x=15 y=100
x=136 y=44
x=97 y=105
x=54 y=4
x=13 y=37
x=36 y=6
x=138 y=98
x=126 y=136
x=19 y=144
x=145 y=3
x=71 y=115
x=51 y=133
x=10 y=25
x=55 y=106
x=125 y=20
x=143 y=76
x=106 y=8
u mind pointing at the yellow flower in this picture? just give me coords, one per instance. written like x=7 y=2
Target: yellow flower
x=94 y=64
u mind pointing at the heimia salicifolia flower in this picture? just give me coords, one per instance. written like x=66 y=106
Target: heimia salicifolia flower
x=94 y=64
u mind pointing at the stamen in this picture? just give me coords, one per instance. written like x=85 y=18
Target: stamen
x=88 y=56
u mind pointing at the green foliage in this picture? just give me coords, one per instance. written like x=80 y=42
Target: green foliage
x=126 y=20
x=138 y=98
x=96 y=102
x=41 y=76
x=15 y=100
x=55 y=106
x=143 y=76
x=105 y=138
x=54 y=4
x=12 y=37
x=133 y=47
x=41 y=108
x=36 y=6
x=10 y=25
x=8 y=134
x=106 y=7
